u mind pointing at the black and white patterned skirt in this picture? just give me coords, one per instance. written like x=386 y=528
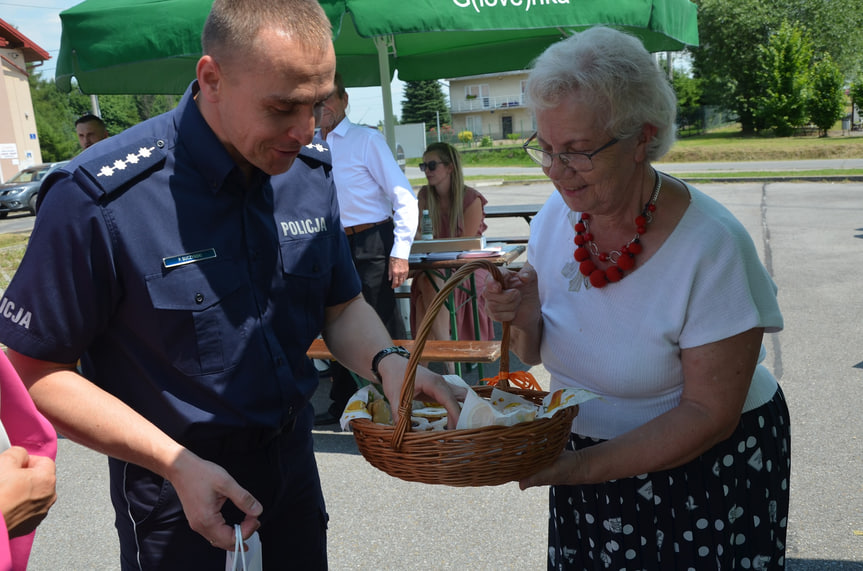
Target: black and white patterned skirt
x=727 y=509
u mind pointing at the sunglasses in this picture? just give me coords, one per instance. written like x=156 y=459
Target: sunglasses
x=431 y=165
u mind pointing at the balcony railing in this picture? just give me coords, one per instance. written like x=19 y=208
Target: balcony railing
x=479 y=104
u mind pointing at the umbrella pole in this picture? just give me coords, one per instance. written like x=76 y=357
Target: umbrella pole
x=94 y=103
x=382 y=44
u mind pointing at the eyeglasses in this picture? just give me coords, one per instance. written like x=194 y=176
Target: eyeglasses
x=431 y=165
x=574 y=160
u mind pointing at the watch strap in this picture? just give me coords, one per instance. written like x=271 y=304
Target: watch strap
x=395 y=349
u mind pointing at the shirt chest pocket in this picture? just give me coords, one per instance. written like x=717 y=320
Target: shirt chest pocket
x=307 y=272
x=308 y=262
x=203 y=311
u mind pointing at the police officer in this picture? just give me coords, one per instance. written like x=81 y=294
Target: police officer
x=189 y=267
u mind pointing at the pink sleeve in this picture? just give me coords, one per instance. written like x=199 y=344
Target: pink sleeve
x=27 y=428
x=24 y=424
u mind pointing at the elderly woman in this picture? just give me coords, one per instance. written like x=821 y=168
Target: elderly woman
x=649 y=293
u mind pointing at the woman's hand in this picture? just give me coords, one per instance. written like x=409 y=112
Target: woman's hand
x=27 y=489
x=517 y=300
x=569 y=468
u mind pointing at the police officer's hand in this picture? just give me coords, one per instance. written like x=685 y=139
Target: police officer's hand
x=398 y=271
x=27 y=489
x=429 y=387
x=203 y=488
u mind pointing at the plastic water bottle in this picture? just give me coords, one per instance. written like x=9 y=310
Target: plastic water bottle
x=427 y=231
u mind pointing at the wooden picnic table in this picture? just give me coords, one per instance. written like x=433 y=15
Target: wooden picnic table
x=526 y=211
x=442 y=269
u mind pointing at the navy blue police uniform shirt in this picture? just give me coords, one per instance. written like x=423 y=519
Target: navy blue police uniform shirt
x=186 y=295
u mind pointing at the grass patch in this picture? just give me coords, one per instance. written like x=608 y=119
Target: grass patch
x=726 y=144
x=713 y=175
x=770 y=174
x=416 y=182
x=12 y=248
x=734 y=147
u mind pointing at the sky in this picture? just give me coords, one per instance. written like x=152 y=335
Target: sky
x=39 y=20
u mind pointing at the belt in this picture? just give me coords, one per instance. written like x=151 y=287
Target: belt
x=351 y=230
x=241 y=440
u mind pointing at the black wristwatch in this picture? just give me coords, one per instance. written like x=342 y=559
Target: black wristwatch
x=383 y=353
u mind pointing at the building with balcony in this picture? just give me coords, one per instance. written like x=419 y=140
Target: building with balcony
x=19 y=142
x=491 y=105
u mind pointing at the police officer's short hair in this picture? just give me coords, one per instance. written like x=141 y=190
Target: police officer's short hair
x=233 y=25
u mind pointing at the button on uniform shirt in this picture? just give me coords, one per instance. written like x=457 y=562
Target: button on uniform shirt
x=371 y=185
x=186 y=294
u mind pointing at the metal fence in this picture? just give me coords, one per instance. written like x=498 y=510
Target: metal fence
x=698 y=120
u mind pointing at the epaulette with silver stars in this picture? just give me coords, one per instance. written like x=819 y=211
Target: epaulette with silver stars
x=317 y=150
x=116 y=170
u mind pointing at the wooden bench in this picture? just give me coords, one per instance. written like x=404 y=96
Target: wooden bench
x=433 y=350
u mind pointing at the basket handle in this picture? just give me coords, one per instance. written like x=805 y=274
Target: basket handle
x=403 y=424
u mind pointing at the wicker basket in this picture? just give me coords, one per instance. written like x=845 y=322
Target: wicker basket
x=486 y=456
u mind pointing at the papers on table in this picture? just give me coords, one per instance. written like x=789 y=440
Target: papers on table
x=486 y=253
x=448 y=245
x=454 y=255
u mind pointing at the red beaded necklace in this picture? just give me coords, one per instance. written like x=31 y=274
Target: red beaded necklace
x=623 y=260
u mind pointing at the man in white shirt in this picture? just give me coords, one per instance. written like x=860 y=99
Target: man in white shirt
x=379 y=212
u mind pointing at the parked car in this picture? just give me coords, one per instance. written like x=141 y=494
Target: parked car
x=20 y=191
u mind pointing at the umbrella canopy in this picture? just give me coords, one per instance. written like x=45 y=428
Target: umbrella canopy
x=151 y=46
x=131 y=46
x=433 y=39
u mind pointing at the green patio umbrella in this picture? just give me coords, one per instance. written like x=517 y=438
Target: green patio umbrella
x=151 y=46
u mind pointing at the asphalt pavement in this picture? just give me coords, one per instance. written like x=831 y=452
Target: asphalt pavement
x=810 y=237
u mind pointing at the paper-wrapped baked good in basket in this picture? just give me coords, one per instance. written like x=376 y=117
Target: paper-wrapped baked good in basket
x=502 y=408
x=485 y=456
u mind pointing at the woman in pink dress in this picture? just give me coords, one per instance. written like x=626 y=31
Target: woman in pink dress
x=27 y=476
x=456 y=211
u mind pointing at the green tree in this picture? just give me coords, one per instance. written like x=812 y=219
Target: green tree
x=55 y=120
x=149 y=106
x=688 y=91
x=835 y=29
x=727 y=59
x=826 y=100
x=119 y=112
x=423 y=101
x=784 y=78
x=56 y=113
x=856 y=93
x=687 y=88
x=729 y=31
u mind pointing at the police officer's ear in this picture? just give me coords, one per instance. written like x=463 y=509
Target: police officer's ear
x=209 y=75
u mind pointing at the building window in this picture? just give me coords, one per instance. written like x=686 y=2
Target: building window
x=477 y=93
x=473 y=123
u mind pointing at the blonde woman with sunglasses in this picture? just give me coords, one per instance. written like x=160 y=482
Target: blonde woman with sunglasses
x=456 y=210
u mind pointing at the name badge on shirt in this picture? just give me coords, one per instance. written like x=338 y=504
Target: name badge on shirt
x=190 y=258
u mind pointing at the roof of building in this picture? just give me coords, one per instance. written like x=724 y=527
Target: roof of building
x=13 y=39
